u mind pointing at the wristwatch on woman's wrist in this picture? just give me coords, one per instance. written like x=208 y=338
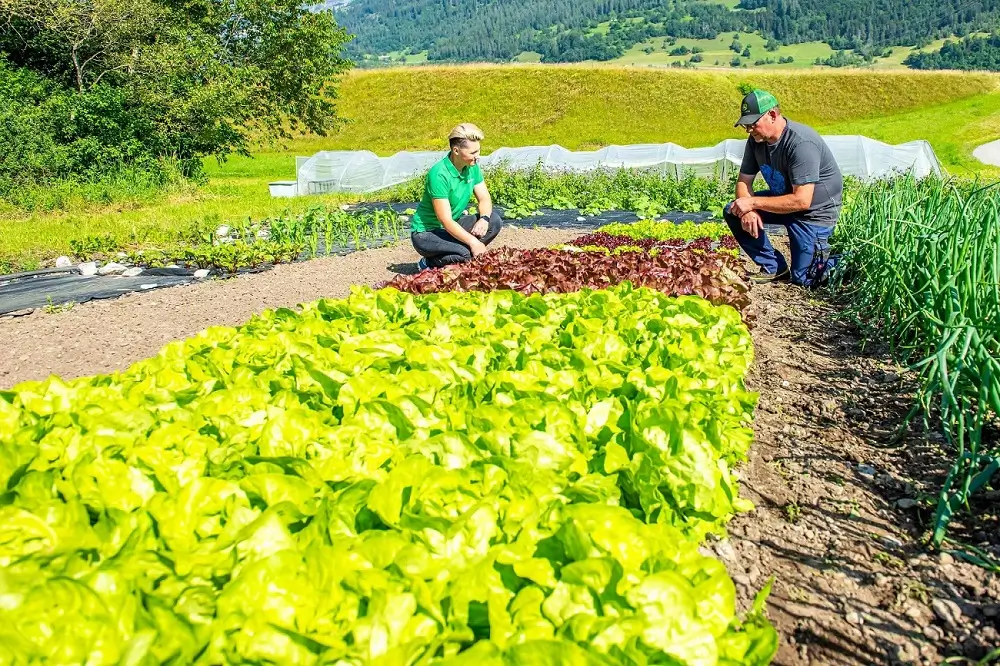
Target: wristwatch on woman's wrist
x=484 y=217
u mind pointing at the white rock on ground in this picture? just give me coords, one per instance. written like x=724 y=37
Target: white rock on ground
x=891 y=542
x=114 y=268
x=948 y=612
x=63 y=262
x=88 y=268
x=222 y=231
x=133 y=272
x=201 y=273
x=725 y=551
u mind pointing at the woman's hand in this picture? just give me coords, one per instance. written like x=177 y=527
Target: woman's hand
x=480 y=228
x=477 y=248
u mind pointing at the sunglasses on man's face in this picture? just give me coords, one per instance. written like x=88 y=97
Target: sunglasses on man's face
x=754 y=124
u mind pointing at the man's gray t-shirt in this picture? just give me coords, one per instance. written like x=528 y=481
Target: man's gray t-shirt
x=799 y=157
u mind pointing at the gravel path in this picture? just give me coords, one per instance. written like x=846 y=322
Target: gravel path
x=108 y=335
x=988 y=153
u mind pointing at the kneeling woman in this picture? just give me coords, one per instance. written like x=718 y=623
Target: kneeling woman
x=441 y=234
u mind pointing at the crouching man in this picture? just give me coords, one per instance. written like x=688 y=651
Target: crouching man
x=805 y=190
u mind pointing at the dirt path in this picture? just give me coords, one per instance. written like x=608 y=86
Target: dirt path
x=837 y=521
x=108 y=335
x=852 y=583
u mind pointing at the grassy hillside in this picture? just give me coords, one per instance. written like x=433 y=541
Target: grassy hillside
x=583 y=107
x=576 y=106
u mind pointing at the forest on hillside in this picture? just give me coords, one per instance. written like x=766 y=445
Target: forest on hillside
x=971 y=53
x=566 y=30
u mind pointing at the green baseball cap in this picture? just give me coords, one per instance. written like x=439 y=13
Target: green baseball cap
x=754 y=105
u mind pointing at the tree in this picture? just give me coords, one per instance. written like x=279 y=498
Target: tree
x=205 y=77
x=92 y=38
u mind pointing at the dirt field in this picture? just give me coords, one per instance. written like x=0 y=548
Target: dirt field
x=838 y=522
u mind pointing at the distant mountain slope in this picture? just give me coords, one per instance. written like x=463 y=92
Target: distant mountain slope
x=574 y=30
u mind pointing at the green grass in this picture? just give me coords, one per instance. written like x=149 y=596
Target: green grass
x=579 y=107
x=582 y=107
x=953 y=129
x=400 y=58
x=716 y=52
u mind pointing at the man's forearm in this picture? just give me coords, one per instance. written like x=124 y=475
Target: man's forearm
x=742 y=190
x=783 y=204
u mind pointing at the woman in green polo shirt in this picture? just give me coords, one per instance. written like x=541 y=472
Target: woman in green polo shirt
x=442 y=235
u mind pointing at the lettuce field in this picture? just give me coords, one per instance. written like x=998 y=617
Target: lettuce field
x=513 y=464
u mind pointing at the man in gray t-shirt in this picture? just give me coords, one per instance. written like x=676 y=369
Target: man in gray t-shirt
x=805 y=189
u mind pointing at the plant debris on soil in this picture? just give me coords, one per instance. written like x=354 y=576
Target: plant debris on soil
x=842 y=507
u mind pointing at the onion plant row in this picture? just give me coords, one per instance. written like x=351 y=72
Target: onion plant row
x=923 y=271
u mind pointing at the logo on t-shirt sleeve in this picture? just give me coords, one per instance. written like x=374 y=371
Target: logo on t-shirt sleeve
x=775 y=179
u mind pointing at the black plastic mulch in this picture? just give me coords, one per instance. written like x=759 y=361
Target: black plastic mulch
x=26 y=291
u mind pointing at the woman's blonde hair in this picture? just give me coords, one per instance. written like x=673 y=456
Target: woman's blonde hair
x=463 y=133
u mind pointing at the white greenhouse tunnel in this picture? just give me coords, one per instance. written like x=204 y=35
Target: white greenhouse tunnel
x=362 y=171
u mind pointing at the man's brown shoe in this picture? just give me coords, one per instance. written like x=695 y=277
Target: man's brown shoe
x=764 y=277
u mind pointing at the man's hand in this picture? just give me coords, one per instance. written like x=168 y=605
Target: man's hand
x=477 y=248
x=480 y=228
x=752 y=223
x=742 y=206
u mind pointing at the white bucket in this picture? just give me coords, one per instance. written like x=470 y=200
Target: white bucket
x=283 y=188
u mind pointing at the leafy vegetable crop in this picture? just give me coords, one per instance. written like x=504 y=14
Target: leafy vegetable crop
x=614 y=242
x=712 y=276
x=661 y=231
x=459 y=478
x=648 y=192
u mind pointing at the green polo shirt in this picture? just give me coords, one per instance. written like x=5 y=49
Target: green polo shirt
x=445 y=182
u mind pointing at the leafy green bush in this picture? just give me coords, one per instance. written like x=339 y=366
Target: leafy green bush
x=48 y=133
x=648 y=192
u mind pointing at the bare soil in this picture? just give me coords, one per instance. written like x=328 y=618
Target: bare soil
x=842 y=510
x=107 y=335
